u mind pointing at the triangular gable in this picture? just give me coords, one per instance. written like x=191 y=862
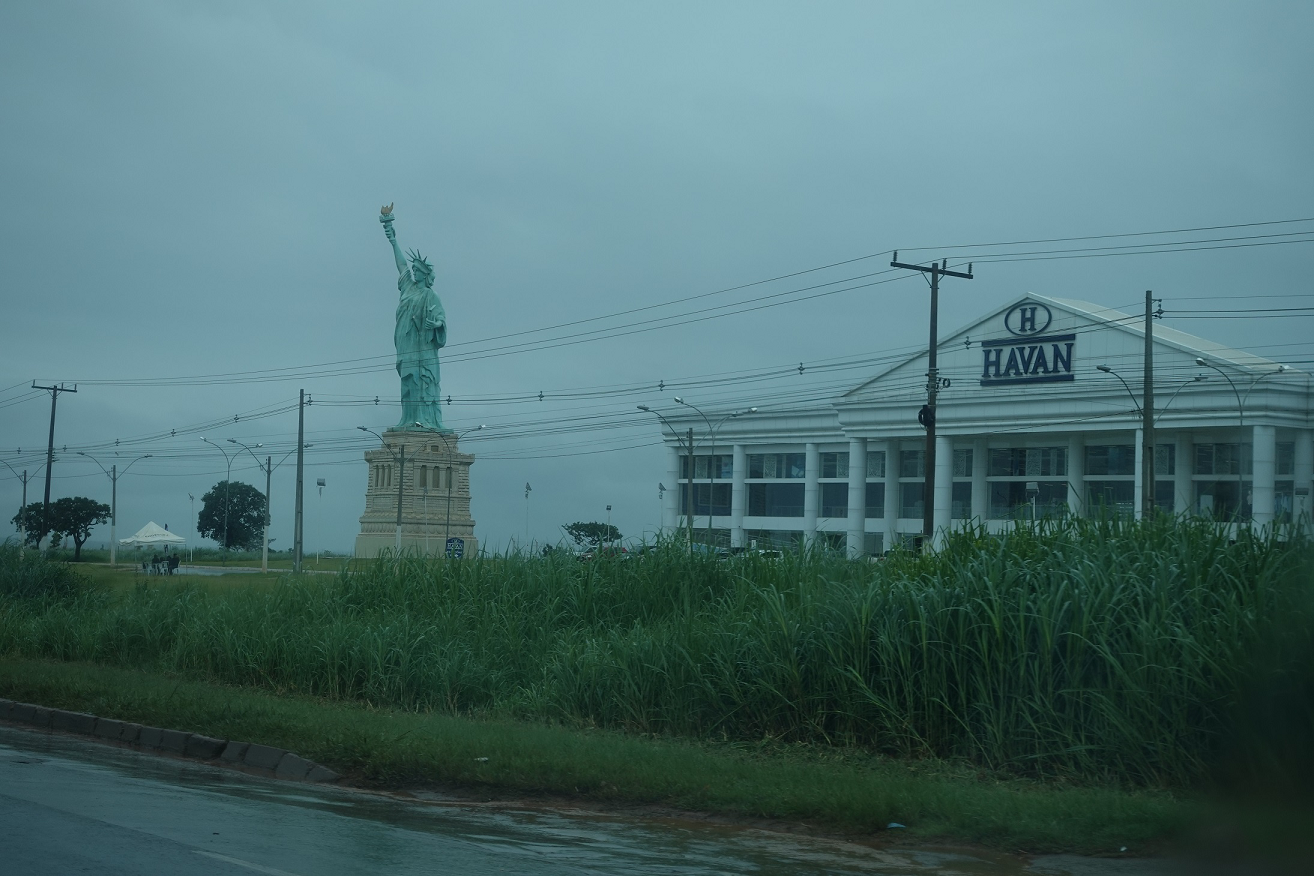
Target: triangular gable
x=1065 y=317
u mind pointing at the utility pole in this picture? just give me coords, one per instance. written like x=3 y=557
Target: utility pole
x=688 y=492
x=301 y=459
x=269 y=476
x=401 y=478
x=927 y=415
x=50 y=451
x=1147 y=415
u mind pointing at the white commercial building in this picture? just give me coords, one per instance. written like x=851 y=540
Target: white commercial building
x=1027 y=425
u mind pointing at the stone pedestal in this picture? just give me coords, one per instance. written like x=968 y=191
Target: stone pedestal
x=435 y=495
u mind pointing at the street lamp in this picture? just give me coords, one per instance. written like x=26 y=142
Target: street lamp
x=264 y=549
x=113 y=475
x=22 y=510
x=711 y=461
x=688 y=517
x=227 y=480
x=1240 y=399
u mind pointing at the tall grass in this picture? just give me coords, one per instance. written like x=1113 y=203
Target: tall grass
x=1092 y=649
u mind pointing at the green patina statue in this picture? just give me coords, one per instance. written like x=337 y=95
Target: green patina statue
x=421 y=332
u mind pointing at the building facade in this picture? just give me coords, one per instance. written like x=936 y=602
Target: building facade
x=1028 y=425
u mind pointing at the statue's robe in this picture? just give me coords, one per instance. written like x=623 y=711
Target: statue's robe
x=421 y=332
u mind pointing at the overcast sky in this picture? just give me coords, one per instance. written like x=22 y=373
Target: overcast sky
x=192 y=190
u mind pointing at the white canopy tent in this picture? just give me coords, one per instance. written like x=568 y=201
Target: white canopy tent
x=152 y=534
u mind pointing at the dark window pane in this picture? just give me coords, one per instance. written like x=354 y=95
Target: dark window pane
x=961 y=507
x=876 y=500
x=1011 y=500
x=834 y=500
x=911 y=500
x=795 y=465
x=912 y=463
x=775 y=500
x=1165 y=494
x=1110 y=497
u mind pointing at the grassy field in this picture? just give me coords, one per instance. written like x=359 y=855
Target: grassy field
x=1093 y=654
x=838 y=790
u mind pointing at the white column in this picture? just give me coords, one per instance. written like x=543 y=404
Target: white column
x=1185 y=463
x=671 y=498
x=1265 y=460
x=811 y=489
x=891 y=493
x=1304 y=477
x=980 y=487
x=1077 y=475
x=1136 y=484
x=943 y=486
x=857 y=495
x=738 y=496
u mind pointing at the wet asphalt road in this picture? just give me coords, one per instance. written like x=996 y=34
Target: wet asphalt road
x=68 y=805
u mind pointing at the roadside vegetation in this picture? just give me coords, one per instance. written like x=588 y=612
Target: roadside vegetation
x=1088 y=654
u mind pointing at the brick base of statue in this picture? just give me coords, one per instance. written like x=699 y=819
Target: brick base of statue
x=435 y=496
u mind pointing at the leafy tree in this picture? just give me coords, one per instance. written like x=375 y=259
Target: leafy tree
x=29 y=519
x=74 y=516
x=243 y=525
x=592 y=534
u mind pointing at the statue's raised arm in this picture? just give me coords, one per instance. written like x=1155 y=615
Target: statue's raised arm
x=386 y=217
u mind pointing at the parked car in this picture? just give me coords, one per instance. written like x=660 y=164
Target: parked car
x=613 y=551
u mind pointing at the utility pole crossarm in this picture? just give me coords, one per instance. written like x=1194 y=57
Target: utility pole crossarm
x=944 y=272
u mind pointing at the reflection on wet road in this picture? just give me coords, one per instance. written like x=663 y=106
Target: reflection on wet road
x=68 y=805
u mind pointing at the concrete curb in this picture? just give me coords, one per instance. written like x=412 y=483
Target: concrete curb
x=274 y=762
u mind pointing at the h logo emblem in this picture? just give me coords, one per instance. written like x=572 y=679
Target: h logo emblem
x=1028 y=319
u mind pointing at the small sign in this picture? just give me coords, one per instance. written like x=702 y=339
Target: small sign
x=1027 y=319
x=456 y=548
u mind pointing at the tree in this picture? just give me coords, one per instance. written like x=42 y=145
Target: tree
x=74 y=516
x=243 y=524
x=29 y=519
x=592 y=534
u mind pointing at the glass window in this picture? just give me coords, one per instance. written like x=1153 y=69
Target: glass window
x=834 y=465
x=719 y=466
x=911 y=501
x=1223 y=500
x=776 y=465
x=1286 y=458
x=1111 y=459
x=1284 y=500
x=1223 y=459
x=1011 y=500
x=835 y=500
x=963 y=463
x=873 y=543
x=1028 y=462
x=875 y=500
x=1165 y=494
x=961 y=506
x=720 y=499
x=1165 y=459
x=875 y=463
x=912 y=463
x=775 y=500
x=1110 y=497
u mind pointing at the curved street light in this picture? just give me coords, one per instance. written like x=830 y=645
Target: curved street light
x=22 y=531
x=113 y=474
x=689 y=511
x=227 y=480
x=1240 y=399
x=264 y=548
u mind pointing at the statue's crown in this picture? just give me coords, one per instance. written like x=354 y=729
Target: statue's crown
x=419 y=263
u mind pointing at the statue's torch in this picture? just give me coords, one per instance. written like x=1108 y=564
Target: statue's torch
x=386 y=217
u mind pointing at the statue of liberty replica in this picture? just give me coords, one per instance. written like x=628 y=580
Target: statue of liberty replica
x=421 y=332
x=418 y=496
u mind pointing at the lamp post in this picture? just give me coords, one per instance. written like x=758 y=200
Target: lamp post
x=688 y=517
x=264 y=549
x=22 y=509
x=447 y=526
x=227 y=480
x=1240 y=399
x=113 y=474
x=711 y=460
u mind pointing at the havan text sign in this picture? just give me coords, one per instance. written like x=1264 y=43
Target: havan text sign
x=1027 y=360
